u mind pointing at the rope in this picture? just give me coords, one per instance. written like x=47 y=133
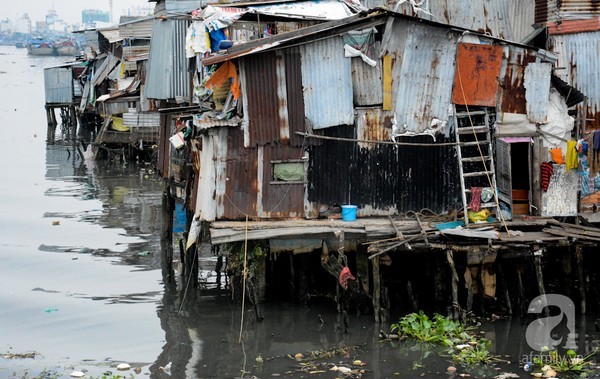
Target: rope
x=378 y=142
x=244 y=280
x=462 y=90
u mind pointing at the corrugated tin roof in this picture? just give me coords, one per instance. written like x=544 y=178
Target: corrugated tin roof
x=327 y=84
x=112 y=35
x=359 y=21
x=564 y=10
x=506 y=19
x=141 y=28
x=424 y=76
x=105 y=68
x=321 y=10
x=574 y=26
x=168 y=76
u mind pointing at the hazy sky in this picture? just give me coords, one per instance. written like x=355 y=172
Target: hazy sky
x=68 y=10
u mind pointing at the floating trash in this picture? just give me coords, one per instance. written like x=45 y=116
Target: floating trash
x=123 y=366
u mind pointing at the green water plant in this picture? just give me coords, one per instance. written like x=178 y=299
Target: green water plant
x=474 y=354
x=570 y=362
x=438 y=330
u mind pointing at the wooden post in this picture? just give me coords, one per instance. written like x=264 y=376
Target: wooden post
x=73 y=116
x=376 y=290
x=520 y=290
x=537 y=261
x=581 y=278
x=166 y=235
x=455 y=306
x=502 y=278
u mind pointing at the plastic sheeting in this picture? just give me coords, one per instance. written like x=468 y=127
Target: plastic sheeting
x=322 y=10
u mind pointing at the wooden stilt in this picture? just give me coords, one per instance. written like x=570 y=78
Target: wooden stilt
x=537 y=261
x=73 y=122
x=502 y=279
x=376 y=290
x=166 y=235
x=455 y=313
x=292 y=277
x=520 y=290
x=581 y=278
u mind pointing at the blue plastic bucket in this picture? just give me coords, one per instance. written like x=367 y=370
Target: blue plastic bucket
x=349 y=212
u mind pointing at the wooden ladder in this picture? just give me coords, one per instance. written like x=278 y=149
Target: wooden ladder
x=475 y=155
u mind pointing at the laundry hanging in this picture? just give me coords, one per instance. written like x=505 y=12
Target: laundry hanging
x=546 y=169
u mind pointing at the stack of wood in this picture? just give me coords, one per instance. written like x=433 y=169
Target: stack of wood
x=406 y=233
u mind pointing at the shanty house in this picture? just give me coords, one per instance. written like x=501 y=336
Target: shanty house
x=365 y=111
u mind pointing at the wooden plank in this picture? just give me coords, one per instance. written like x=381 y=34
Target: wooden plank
x=471 y=233
x=219 y=236
x=387 y=77
x=564 y=233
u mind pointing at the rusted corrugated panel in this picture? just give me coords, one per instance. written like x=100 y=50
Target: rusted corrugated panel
x=327 y=84
x=281 y=200
x=373 y=124
x=383 y=178
x=366 y=80
x=513 y=92
x=425 y=76
x=521 y=13
x=579 y=54
x=167 y=71
x=241 y=184
x=476 y=79
x=260 y=91
x=295 y=99
x=541 y=11
x=537 y=91
x=574 y=26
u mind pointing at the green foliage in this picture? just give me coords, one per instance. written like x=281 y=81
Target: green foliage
x=570 y=362
x=439 y=329
x=474 y=354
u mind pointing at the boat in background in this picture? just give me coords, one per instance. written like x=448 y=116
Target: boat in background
x=67 y=47
x=40 y=46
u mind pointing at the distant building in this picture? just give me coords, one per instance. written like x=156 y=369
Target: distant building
x=7 y=26
x=23 y=25
x=91 y=16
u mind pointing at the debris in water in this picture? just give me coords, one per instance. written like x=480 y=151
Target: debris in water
x=30 y=355
x=299 y=356
x=123 y=366
x=77 y=374
x=506 y=375
x=56 y=222
x=259 y=359
x=50 y=310
x=137 y=370
x=451 y=369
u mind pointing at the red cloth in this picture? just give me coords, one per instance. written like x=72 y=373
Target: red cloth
x=475 y=203
x=345 y=275
x=546 y=170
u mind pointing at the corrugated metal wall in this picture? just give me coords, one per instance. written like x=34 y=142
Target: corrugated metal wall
x=241 y=190
x=327 y=84
x=383 y=178
x=366 y=80
x=295 y=98
x=137 y=29
x=167 y=76
x=424 y=74
x=281 y=200
x=512 y=90
x=563 y=10
x=580 y=53
x=263 y=114
x=58 y=85
x=508 y=19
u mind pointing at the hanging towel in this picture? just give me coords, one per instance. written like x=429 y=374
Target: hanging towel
x=572 y=160
x=475 y=203
x=546 y=169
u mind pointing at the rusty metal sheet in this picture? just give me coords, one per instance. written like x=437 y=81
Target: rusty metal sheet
x=512 y=78
x=366 y=80
x=241 y=185
x=281 y=200
x=537 y=91
x=476 y=77
x=295 y=99
x=574 y=26
x=373 y=124
x=261 y=96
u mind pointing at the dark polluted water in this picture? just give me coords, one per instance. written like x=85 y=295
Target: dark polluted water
x=81 y=285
